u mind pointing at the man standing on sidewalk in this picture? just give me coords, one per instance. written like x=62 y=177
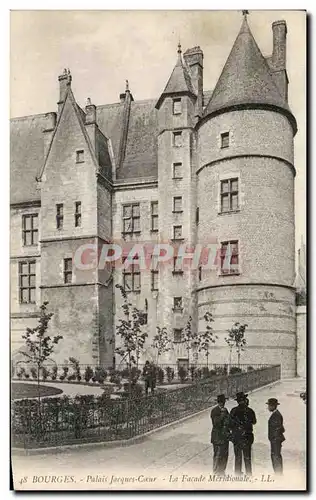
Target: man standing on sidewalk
x=220 y=435
x=242 y=420
x=275 y=435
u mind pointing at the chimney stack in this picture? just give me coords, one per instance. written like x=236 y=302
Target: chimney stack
x=64 y=81
x=279 y=45
x=91 y=112
x=278 y=58
x=194 y=60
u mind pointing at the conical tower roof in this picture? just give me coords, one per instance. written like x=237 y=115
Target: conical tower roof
x=246 y=79
x=179 y=81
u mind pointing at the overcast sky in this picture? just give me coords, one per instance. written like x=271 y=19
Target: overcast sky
x=104 y=48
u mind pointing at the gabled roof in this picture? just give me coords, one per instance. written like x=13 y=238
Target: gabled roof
x=179 y=81
x=81 y=117
x=246 y=78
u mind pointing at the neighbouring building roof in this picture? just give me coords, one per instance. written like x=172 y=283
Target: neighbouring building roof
x=245 y=78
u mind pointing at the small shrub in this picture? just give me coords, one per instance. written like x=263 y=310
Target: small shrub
x=54 y=372
x=192 y=372
x=100 y=374
x=27 y=375
x=183 y=374
x=205 y=372
x=170 y=374
x=198 y=374
x=235 y=369
x=125 y=373
x=135 y=374
x=45 y=373
x=221 y=370
x=212 y=373
x=250 y=368
x=88 y=374
x=21 y=372
x=160 y=375
x=33 y=371
x=115 y=377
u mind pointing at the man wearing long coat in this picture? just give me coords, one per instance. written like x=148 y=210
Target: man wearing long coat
x=275 y=435
x=242 y=420
x=220 y=435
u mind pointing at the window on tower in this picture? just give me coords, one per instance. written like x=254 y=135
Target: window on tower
x=177 y=106
x=177 y=171
x=225 y=140
x=177 y=334
x=229 y=195
x=177 y=204
x=68 y=270
x=177 y=139
x=59 y=215
x=229 y=257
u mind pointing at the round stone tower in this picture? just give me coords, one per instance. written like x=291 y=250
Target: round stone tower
x=245 y=194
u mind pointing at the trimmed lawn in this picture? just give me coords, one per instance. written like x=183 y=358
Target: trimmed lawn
x=24 y=390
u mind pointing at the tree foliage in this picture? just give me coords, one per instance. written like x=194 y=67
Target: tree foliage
x=236 y=338
x=207 y=338
x=161 y=341
x=129 y=329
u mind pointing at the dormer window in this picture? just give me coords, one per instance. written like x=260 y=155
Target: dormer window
x=177 y=139
x=80 y=156
x=177 y=106
x=225 y=140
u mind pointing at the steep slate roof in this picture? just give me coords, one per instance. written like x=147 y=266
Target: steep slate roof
x=26 y=156
x=246 y=77
x=179 y=81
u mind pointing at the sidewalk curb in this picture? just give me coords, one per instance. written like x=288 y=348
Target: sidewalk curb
x=120 y=443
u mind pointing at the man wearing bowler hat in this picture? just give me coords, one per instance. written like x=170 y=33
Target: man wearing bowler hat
x=220 y=435
x=242 y=420
x=275 y=435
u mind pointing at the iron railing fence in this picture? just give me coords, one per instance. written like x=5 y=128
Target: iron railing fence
x=64 y=420
x=171 y=374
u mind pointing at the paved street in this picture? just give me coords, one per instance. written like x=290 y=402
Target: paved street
x=164 y=459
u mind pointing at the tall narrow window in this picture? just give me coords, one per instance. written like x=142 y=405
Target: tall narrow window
x=77 y=213
x=177 y=304
x=177 y=204
x=177 y=335
x=229 y=257
x=154 y=216
x=229 y=195
x=30 y=229
x=80 y=156
x=177 y=106
x=177 y=139
x=177 y=171
x=225 y=140
x=59 y=216
x=131 y=276
x=131 y=218
x=177 y=269
x=67 y=270
x=154 y=281
x=197 y=216
x=27 y=286
x=177 y=232
x=200 y=273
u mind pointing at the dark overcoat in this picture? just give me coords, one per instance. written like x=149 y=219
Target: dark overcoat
x=275 y=427
x=220 y=420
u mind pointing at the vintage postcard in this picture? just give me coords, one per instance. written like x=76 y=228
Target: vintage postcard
x=158 y=267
